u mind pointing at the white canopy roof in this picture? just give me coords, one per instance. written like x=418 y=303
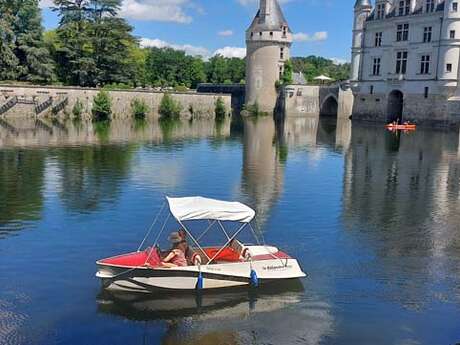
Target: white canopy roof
x=323 y=77
x=199 y=208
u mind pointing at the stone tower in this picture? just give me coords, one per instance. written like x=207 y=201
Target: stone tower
x=363 y=9
x=268 y=42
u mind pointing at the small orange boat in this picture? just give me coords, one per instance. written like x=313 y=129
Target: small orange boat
x=403 y=127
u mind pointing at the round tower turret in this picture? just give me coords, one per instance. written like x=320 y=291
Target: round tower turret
x=268 y=42
x=362 y=11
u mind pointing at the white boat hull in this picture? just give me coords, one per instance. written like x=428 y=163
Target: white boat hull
x=215 y=276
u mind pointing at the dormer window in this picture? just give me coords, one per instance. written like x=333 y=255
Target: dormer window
x=429 y=6
x=380 y=11
x=260 y=34
x=404 y=7
x=252 y=34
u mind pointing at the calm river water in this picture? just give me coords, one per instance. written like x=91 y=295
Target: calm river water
x=373 y=217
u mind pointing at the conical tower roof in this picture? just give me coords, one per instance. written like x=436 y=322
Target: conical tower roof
x=363 y=3
x=269 y=17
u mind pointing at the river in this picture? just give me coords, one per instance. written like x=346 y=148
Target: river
x=373 y=217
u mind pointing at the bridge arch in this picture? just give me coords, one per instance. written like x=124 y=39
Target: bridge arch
x=329 y=106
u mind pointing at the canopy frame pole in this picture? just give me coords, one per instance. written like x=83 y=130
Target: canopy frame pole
x=263 y=243
x=227 y=243
x=223 y=229
x=254 y=233
x=193 y=238
x=206 y=231
x=151 y=227
x=158 y=237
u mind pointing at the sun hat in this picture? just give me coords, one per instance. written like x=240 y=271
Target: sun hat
x=175 y=238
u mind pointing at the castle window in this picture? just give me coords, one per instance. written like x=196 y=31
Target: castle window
x=371 y=89
x=425 y=64
x=452 y=34
x=284 y=31
x=427 y=31
x=426 y=91
x=281 y=72
x=404 y=7
x=281 y=53
x=429 y=6
x=401 y=63
x=376 y=66
x=454 y=6
x=252 y=34
x=271 y=33
x=380 y=11
x=260 y=34
x=402 y=32
x=378 y=39
x=449 y=68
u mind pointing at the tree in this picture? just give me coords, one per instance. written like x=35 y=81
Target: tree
x=287 y=73
x=313 y=66
x=93 y=43
x=8 y=60
x=24 y=54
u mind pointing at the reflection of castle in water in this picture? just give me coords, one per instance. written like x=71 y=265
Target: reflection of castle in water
x=267 y=144
x=406 y=186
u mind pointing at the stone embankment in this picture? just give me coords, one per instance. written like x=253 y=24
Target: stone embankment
x=26 y=101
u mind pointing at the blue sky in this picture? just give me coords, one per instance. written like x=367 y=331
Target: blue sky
x=321 y=27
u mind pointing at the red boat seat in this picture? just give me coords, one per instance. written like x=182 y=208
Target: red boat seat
x=135 y=259
x=228 y=254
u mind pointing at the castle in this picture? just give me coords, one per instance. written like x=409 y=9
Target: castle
x=405 y=61
x=268 y=42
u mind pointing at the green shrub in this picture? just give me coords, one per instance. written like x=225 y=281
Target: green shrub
x=181 y=88
x=102 y=106
x=254 y=110
x=169 y=108
x=77 y=110
x=220 y=109
x=117 y=86
x=139 y=108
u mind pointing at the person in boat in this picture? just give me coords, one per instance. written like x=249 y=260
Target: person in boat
x=188 y=251
x=176 y=257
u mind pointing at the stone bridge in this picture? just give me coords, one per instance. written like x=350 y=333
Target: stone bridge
x=318 y=100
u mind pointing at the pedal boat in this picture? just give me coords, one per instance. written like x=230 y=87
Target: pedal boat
x=232 y=264
x=403 y=127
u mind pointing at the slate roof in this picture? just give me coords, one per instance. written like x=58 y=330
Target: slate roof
x=269 y=17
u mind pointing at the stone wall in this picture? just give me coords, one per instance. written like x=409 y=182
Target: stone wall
x=309 y=100
x=433 y=110
x=198 y=105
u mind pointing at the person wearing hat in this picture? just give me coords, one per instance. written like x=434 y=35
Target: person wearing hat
x=176 y=257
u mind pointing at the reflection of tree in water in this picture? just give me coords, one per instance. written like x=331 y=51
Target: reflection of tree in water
x=21 y=185
x=92 y=174
x=168 y=128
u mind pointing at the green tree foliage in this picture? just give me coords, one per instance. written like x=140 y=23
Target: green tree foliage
x=225 y=70
x=24 y=55
x=169 y=108
x=287 y=73
x=102 y=106
x=139 y=108
x=93 y=44
x=313 y=66
x=220 y=109
x=169 y=67
x=78 y=109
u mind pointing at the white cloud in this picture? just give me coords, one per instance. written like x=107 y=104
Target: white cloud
x=339 y=61
x=254 y=2
x=225 y=33
x=231 y=52
x=157 y=10
x=316 y=37
x=188 y=48
x=46 y=3
x=194 y=50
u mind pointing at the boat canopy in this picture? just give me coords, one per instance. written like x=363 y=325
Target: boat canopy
x=199 y=208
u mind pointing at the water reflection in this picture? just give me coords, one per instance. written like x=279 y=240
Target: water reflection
x=21 y=188
x=262 y=176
